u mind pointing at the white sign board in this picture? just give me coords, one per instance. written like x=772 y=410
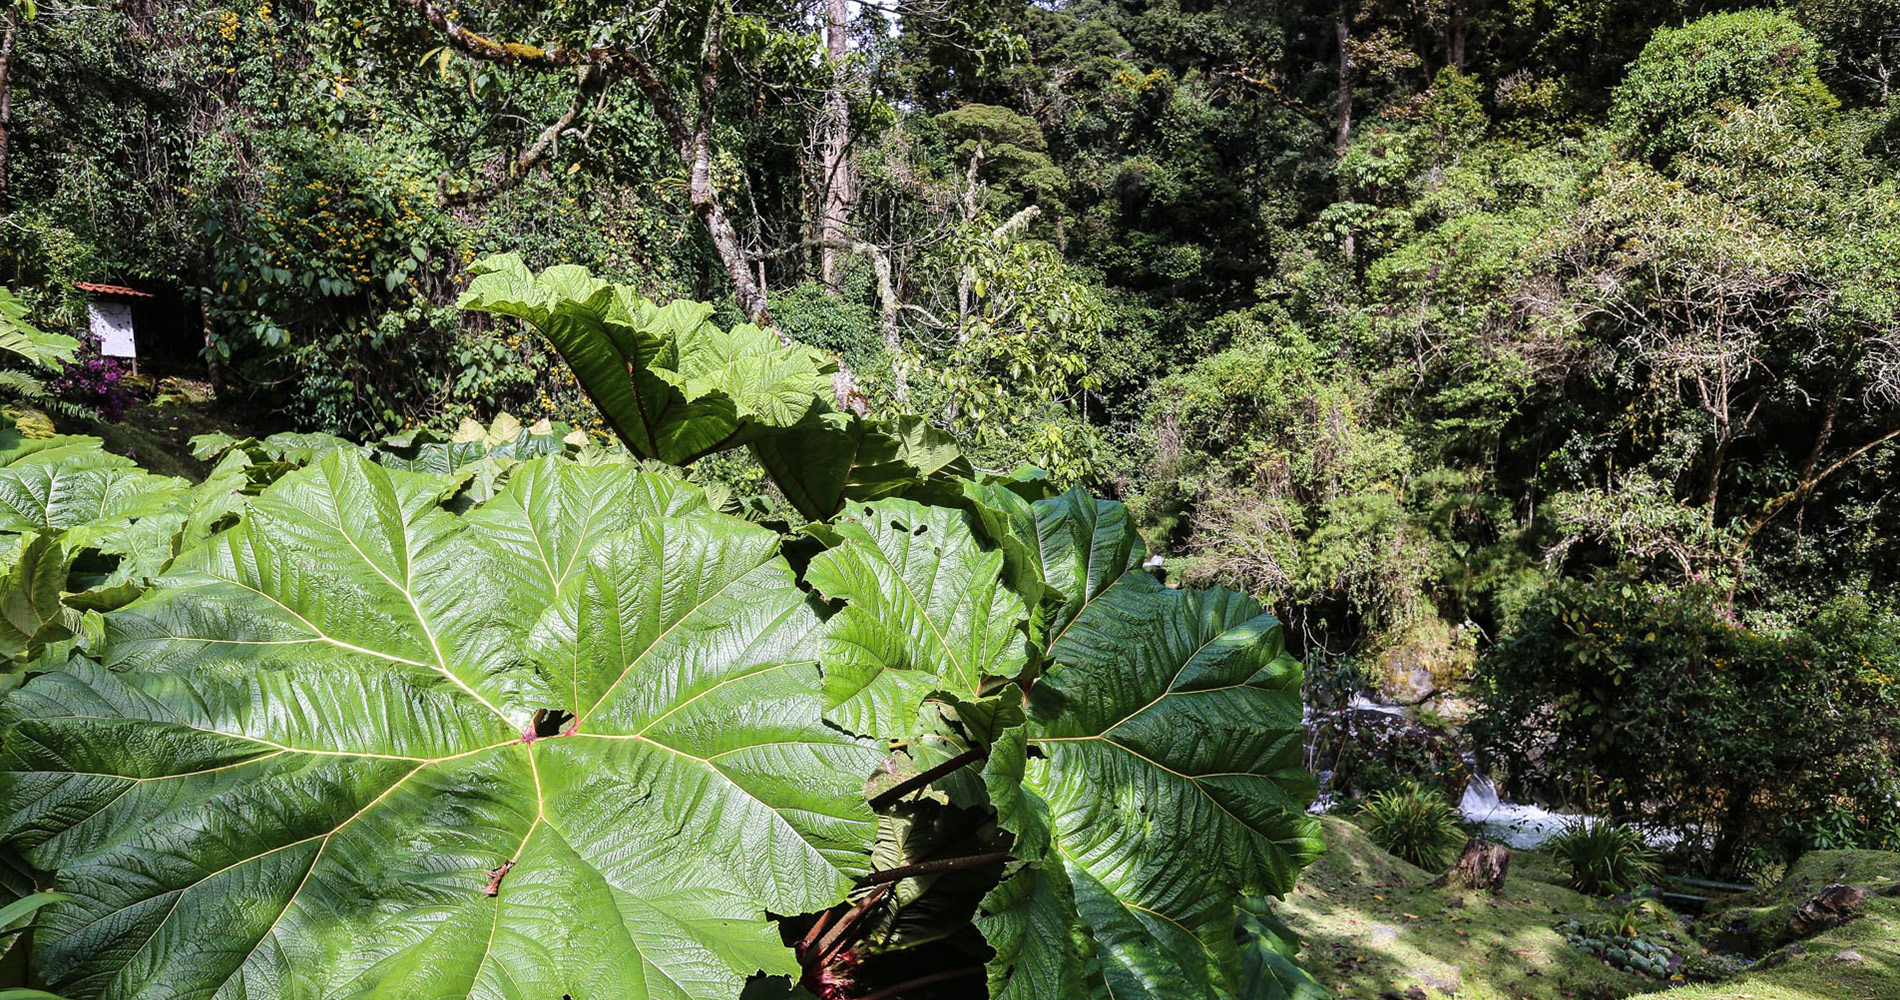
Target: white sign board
x=112 y=322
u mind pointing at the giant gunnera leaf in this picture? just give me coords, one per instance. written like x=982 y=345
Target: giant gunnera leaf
x=832 y=458
x=569 y=744
x=1157 y=781
x=672 y=385
x=926 y=611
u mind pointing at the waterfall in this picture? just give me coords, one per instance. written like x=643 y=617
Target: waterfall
x=1481 y=798
x=1519 y=826
x=1364 y=704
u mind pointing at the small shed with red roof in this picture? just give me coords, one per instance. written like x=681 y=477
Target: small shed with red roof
x=110 y=313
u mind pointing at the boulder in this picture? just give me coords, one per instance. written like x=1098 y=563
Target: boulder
x=1430 y=656
x=1831 y=907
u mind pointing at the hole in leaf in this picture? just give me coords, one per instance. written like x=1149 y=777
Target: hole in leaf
x=550 y=721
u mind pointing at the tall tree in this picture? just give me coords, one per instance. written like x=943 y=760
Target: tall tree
x=836 y=125
x=16 y=11
x=680 y=70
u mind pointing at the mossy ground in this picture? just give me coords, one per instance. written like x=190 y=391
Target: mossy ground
x=1374 y=925
x=157 y=434
x=1811 y=969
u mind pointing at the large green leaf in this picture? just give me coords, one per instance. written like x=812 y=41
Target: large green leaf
x=289 y=447
x=1084 y=546
x=672 y=385
x=116 y=526
x=926 y=611
x=41 y=496
x=504 y=440
x=32 y=580
x=1167 y=779
x=71 y=451
x=1267 y=968
x=28 y=342
x=831 y=458
x=310 y=752
x=551 y=514
x=1030 y=918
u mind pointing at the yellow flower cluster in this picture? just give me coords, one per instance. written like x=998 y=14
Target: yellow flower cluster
x=1870 y=674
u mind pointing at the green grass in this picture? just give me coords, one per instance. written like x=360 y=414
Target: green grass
x=1817 y=870
x=1809 y=970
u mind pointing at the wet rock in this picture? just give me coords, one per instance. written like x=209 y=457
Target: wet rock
x=1831 y=907
x=1406 y=684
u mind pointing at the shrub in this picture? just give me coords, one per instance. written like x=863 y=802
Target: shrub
x=811 y=314
x=1604 y=858
x=1370 y=752
x=1686 y=75
x=1416 y=824
x=100 y=386
x=1656 y=704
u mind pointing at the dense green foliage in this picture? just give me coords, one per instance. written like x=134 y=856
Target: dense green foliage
x=1650 y=702
x=1687 y=78
x=1536 y=361
x=1388 y=316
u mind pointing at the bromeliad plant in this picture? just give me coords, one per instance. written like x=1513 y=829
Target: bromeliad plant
x=595 y=737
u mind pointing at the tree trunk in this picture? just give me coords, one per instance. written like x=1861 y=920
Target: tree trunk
x=887 y=315
x=725 y=239
x=1455 y=36
x=966 y=278
x=696 y=153
x=1481 y=866
x=214 y=371
x=6 y=94
x=836 y=200
x=1342 y=138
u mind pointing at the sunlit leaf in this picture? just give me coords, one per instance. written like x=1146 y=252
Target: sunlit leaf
x=310 y=770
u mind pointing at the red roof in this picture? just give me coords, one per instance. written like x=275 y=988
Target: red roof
x=120 y=290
